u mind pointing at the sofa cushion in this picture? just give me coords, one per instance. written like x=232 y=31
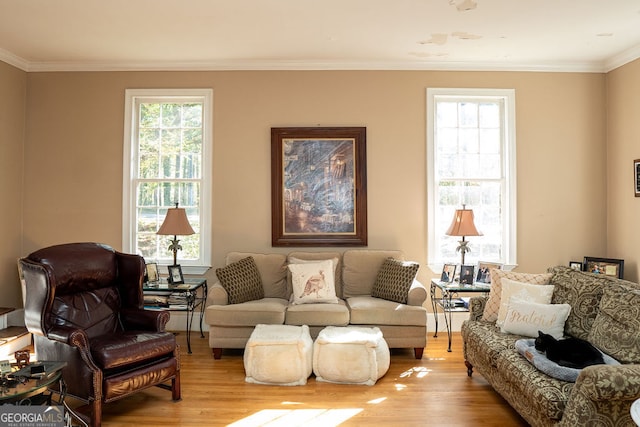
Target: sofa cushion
x=301 y=256
x=241 y=280
x=483 y=342
x=360 y=269
x=527 y=318
x=318 y=314
x=616 y=329
x=313 y=282
x=250 y=313
x=493 y=304
x=272 y=269
x=394 y=280
x=524 y=291
x=377 y=311
x=546 y=397
x=582 y=291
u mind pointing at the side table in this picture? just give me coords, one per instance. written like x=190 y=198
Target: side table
x=442 y=297
x=193 y=291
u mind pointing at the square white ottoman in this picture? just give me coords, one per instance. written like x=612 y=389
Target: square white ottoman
x=279 y=354
x=350 y=355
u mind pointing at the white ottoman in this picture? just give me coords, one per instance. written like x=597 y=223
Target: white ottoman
x=350 y=355
x=279 y=354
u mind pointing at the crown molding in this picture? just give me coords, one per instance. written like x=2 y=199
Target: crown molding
x=286 y=65
x=622 y=58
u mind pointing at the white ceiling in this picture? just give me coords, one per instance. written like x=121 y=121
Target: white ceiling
x=548 y=35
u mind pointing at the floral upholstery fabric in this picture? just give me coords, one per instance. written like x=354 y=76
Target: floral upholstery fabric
x=602 y=395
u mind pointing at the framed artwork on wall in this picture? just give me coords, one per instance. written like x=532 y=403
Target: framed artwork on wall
x=318 y=186
x=636 y=177
x=607 y=266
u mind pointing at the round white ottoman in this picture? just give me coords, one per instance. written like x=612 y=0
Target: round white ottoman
x=350 y=355
x=279 y=354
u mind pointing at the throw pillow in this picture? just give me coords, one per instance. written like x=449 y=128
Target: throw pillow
x=527 y=318
x=493 y=304
x=313 y=282
x=394 y=280
x=241 y=280
x=533 y=293
x=616 y=329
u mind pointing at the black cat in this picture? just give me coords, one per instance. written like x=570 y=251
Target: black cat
x=569 y=352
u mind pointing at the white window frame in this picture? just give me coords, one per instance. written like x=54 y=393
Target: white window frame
x=132 y=98
x=509 y=225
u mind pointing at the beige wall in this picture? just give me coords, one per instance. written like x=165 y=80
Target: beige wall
x=623 y=146
x=13 y=91
x=73 y=172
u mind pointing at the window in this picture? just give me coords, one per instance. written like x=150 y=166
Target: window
x=471 y=161
x=167 y=160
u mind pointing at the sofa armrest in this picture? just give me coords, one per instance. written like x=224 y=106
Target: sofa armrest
x=476 y=307
x=417 y=294
x=217 y=295
x=603 y=392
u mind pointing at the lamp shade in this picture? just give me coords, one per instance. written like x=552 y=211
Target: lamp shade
x=176 y=223
x=462 y=224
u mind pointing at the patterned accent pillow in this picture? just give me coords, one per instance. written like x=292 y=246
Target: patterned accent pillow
x=313 y=282
x=394 y=280
x=241 y=280
x=616 y=330
x=493 y=304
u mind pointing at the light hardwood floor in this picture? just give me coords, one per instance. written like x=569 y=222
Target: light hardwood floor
x=434 y=391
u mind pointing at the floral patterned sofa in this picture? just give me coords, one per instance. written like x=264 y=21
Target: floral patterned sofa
x=604 y=311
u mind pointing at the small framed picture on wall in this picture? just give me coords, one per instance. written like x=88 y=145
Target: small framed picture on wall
x=636 y=177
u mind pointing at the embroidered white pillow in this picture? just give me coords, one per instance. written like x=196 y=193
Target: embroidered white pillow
x=313 y=283
x=527 y=292
x=527 y=318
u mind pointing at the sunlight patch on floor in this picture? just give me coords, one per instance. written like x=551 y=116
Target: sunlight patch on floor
x=418 y=372
x=297 y=417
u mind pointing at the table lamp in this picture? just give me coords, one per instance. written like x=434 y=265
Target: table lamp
x=462 y=225
x=175 y=224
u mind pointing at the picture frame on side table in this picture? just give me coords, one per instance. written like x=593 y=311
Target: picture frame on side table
x=318 y=186
x=151 y=270
x=636 y=177
x=467 y=274
x=607 y=266
x=448 y=273
x=175 y=275
x=484 y=269
x=576 y=265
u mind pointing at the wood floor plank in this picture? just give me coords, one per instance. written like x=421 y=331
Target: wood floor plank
x=434 y=391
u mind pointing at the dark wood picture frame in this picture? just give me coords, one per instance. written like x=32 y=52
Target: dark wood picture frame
x=175 y=275
x=318 y=186
x=467 y=274
x=607 y=266
x=636 y=177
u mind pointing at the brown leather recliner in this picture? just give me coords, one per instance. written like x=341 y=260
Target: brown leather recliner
x=84 y=305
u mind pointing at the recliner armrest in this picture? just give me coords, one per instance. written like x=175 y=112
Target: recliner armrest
x=70 y=336
x=144 y=320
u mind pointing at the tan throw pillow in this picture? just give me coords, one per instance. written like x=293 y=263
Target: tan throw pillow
x=493 y=304
x=525 y=292
x=527 y=318
x=241 y=280
x=313 y=282
x=394 y=280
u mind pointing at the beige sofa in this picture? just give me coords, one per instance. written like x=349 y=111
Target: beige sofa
x=402 y=325
x=606 y=312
